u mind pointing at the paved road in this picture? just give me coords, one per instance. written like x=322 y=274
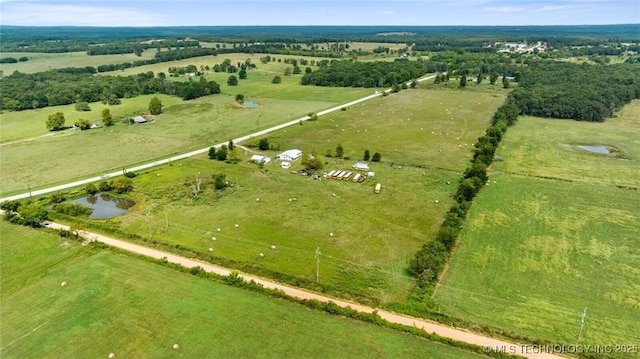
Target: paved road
x=238 y=140
x=430 y=327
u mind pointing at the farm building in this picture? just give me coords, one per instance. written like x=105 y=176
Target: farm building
x=285 y=165
x=361 y=166
x=260 y=159
x=289 y=155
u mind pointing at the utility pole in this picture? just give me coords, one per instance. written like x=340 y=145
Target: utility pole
x=317 y=265
x=166 y=217
x=582 y=320
x=30 y=196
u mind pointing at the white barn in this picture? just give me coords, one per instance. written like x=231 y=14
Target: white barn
x=361 y=166
x=289 y=155
x=260 y=159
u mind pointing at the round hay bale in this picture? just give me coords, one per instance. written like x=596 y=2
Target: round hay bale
x=112 y=356
x=331 y=234
x=290 y=200
x=448 y=182
x=273 y=248
x=64 y=284
x=261 y=255
x=257 y=199
x=176 y=346
x=210 y=249
x=213 y=238
x=218 y=229
x=437 y=201
x=237 y=225
x=333 y=194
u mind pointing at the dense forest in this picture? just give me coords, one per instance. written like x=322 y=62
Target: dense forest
x=62 y=87
x=571 y=91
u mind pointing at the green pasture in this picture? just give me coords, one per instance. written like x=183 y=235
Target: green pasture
x=118 y=304
x=421 y=136
x=182 y=126
x=535 y=252
x=48 y=61
x=548 y=148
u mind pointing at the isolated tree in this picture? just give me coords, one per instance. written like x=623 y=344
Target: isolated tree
x=313 y=162
x=480 y=78
x=232 y=80
x=91 y=189
x=212 y=153
x=493 y=78
x=220 y=181
x=55 y=121
x=339 y=151
x=231 y=145
x=263 y=144
x=414 y=83
x=122 y=184
x=33 y=214
x=242 y=74
x=107 y=119
x=239 y=98
x=296 y=70
x=505 y=82
x=287 y=71
x=463 y=81
x=155 y=106
x=83 y=124
x=82 y=106
x=308 y=70
x=366 y=156
x=276 y=80
x=376 y=157
x=221 y=154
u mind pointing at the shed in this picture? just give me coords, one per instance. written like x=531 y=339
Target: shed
x=285 y=165
x=260 y=159
x=139 y=119
x=361 y=166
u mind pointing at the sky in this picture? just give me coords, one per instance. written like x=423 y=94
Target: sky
x=314 y=12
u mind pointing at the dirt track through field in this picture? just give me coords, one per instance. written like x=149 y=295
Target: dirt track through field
x=528 y=351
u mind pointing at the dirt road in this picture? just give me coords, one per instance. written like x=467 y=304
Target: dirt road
x=528 y=351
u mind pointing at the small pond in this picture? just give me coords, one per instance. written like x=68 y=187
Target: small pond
x=595 y=149
x=105 y=205
x=250 y=104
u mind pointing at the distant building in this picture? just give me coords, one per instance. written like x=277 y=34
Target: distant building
x=289 y=155
x=139 y=119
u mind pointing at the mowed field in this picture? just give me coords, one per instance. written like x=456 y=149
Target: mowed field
x=119 y=304
x=421 y=136
x=537 y=251
x=182 y=126
x=39 y=61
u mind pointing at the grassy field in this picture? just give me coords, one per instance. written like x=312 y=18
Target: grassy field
x=421 y=135
x=547 y=147
x=536 y=251
x=123 y=305
x=183 y=125
x=48 y=61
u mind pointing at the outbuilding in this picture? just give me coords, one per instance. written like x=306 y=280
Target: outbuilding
x=260 y=159
x=289 y=155
x=361 y=166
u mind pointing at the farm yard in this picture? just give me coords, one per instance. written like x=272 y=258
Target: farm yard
x=366 y=241
x=116 y=303
x=554 y=233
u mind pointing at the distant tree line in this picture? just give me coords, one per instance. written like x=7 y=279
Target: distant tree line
x=582 y=92
x=62 y=87
x=369 y=74
x=138 y=47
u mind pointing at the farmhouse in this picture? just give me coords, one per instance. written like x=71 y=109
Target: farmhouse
x=289 y=155
x=361 y=166
x=260 y=159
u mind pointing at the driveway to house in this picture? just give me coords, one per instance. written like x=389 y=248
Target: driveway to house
x=238 y=140
x=525 y=350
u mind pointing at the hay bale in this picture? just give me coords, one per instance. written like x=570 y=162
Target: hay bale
x=213 y=238
x=437 y=201
x=112 y=356
x=218 y=229
x=176 y=346
x=331 y=234
x=237 y=225
x=261 y=255
x=273 y=248
x=257 y=199
x=210 y=249
x=64 y=284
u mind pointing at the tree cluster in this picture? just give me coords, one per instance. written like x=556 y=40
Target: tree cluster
x=52 y=88
x=25 y=213
x=367 y=74
x=571 y=91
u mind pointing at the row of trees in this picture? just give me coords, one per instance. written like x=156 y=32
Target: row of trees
x=431 y=258
x=571 y=91
x=52 y=88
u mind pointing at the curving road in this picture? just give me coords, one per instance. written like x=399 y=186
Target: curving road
x=528 y=351
x=192 y=153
